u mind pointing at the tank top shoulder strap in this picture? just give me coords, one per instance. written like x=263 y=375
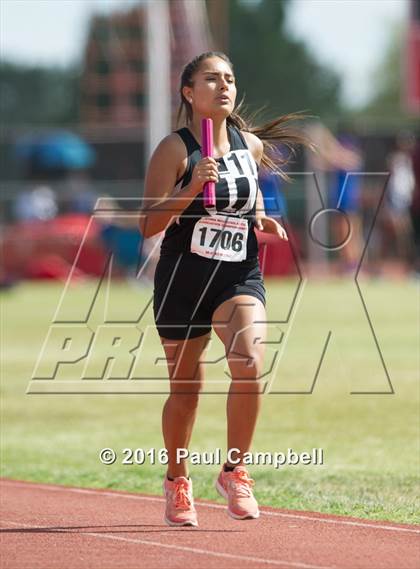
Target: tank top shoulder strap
x=188 y=139
x=237 y=139
x=192 y=146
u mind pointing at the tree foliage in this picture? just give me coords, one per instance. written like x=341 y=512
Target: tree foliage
x=38 y=95
x=274 y=69
x=388 y=80
x=386 y=108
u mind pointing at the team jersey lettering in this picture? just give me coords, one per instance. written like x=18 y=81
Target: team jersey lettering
x=237 y=188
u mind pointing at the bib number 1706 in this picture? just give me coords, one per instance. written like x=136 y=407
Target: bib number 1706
x=228 y=240
x=220 y=237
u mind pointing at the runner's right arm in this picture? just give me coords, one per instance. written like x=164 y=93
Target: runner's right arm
x=166 y=165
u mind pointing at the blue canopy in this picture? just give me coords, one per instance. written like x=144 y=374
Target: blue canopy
x=55 y=151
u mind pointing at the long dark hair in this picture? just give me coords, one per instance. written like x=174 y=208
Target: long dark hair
x=272 y=134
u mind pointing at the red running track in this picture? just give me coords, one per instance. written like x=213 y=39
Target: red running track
x=46 y=527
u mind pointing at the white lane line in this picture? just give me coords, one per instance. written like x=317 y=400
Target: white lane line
x=207 y=552
x=302 y=517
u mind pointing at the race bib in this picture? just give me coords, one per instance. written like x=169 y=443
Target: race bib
x=220 y=237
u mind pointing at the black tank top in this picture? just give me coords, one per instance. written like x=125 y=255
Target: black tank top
x=236 y=193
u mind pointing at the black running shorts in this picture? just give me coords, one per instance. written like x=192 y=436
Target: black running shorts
x=188 y=288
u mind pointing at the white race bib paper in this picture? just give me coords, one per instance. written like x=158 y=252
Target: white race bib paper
x=220 y=237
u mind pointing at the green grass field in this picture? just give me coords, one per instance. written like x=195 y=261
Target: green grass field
x=370 y=441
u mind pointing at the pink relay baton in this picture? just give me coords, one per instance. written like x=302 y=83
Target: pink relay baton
x=207 y=150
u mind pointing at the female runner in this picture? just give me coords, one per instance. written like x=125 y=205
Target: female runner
x=208 y=273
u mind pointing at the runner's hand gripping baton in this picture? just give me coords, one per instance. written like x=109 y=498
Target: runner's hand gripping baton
x=207 y=150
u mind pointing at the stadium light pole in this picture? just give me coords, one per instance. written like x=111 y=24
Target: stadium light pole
x=158 y=94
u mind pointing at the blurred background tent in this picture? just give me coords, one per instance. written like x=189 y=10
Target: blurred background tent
x=54 y=151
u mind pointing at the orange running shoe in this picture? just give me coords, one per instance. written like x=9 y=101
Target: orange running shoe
x=236 y=487
x=180 y=509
